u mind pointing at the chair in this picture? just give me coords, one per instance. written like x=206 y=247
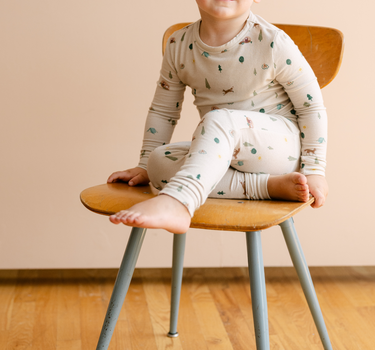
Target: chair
x=323 y=48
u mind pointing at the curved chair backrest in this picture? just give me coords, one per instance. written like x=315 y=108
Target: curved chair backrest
x=322 y=47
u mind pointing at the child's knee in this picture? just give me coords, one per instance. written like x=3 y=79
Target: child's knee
x=157 y=153
x=217 y=116
x=165 y=161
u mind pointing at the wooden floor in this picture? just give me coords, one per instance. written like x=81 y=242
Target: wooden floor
x=64 y=309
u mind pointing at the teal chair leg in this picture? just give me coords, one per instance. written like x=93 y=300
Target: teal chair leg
x=177 y=269
x=299 y=262
x=258 y=289
x=120 y=289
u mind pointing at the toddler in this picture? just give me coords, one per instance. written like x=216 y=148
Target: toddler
x=263 y=127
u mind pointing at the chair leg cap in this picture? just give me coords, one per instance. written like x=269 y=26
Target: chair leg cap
x=172 y=335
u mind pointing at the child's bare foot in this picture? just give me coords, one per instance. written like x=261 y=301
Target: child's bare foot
x=292 y=187
x=162 y=211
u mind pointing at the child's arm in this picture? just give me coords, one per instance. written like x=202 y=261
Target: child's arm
x=161 y=119
x=166 y=106
x=298 y=79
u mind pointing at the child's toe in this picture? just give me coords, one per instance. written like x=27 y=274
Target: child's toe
x=114 y=219
x=130 y=219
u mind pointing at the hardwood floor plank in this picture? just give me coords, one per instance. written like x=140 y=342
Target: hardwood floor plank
x=7 y=286
x=92 y=304
x=208 y=316
x=45 y=324
x=222 y=285
x=20 y=334
x=191 y=334
x=302 y=317
x=288 y=311
x=352 y=285
x=335 y=306
x=139 y=331
x=275 y=343
x=158 y=305
x=68 y=316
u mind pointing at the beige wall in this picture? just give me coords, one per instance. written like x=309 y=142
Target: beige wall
x=76 y=80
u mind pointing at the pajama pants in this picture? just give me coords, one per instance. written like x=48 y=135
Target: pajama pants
x=231 y=155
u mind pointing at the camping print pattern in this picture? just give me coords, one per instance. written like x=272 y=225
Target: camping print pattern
x=216 y=81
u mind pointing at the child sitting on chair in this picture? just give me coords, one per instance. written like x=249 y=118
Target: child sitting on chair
x=263 y=126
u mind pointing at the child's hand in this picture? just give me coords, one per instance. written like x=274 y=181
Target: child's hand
x=134 y=176
x=318 y=187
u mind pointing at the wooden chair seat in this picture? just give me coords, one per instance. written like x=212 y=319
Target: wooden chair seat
x=215 y=214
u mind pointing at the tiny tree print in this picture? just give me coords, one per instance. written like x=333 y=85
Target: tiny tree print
x=241 y=59
x=152 y=130
x=260 y=37
x=207 y=84
x=167 y=154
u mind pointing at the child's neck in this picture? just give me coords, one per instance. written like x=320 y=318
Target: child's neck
x=215 y=32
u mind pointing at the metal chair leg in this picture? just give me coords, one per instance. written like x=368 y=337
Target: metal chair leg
x=120 y=289
x=177 y=269
x=258 y=289
x=299 y=262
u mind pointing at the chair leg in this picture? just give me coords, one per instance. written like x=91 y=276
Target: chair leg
x=258 y=289
x=120 y=289
x=177 y=269
x=299 y=262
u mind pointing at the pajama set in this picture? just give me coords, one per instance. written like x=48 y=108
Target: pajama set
x=261 y=113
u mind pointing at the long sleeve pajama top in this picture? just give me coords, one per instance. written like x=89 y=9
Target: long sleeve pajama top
x=261 y=70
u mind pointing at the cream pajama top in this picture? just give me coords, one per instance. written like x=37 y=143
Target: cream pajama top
x=261 y=70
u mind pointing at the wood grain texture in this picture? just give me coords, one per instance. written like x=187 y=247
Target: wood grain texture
x=215 y=214
x=64 y=309
x=322 y=47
